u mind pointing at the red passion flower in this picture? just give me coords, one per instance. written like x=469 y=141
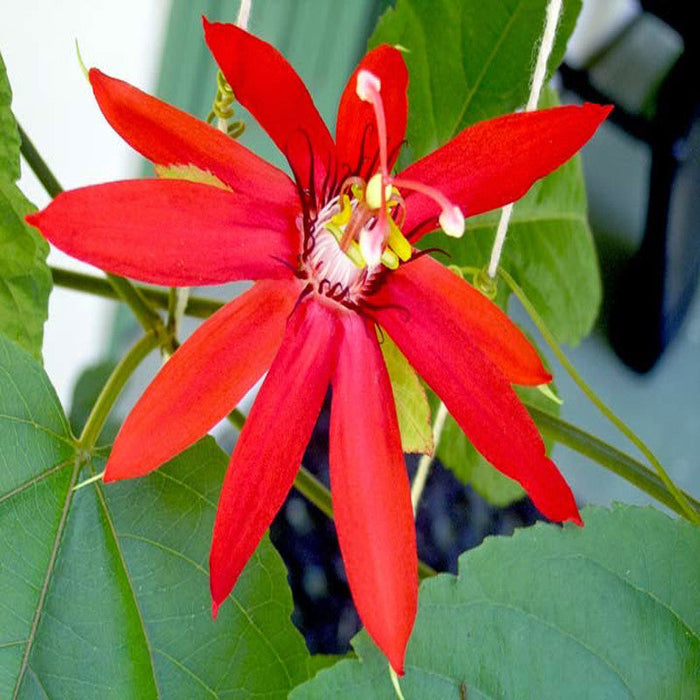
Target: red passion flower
x=332 y=252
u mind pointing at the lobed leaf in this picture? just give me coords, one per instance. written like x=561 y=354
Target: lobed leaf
x=104 y=591
x=605 y=611
x=9 y=136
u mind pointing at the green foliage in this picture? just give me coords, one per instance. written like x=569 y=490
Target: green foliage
x=25 y=279
x=9 y=136
x=468 y=60
x=105 y=589
x=605 y=611
x=412 y=407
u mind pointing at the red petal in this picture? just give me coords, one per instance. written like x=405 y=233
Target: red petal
x=264 y=82
x=495 y=162
x=168 y=136
x=272 y=442
x=170 y=232
x=371 y=494
x=427 y=289
x=482 y=401
x=203 y=380
x=356 y=130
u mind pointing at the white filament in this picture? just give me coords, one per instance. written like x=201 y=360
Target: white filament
x=545 y=51
x=244 y=14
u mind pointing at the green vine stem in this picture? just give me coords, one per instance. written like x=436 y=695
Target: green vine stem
x=149 y=319
x=607 y=456
x=113 y=387
x=680 y=497
x=38 y=165
x=426 y=460
x=197 y=307
x=308 y=485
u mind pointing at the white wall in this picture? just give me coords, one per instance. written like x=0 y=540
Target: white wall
x=54 y=104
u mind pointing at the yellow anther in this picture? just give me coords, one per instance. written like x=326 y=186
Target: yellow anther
x=389 y=259
x=397 y=241
x=334 y=229
x=358 y=192
x=343 y=216
x=373 y=191
x=353 y=253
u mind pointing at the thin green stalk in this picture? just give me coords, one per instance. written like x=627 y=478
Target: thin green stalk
x=607 y=456
x=687 y=509
x=113 y=387
x=426 y=461
x=197 y=307
x=308 y=485
x=38 y=165
x=149 y=319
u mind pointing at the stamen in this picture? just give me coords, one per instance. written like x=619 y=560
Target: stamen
x=397 y=241
x=451 y=219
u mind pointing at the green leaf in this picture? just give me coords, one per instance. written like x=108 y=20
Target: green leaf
x=412 y=407
x=468 y=60
x=610 y=610
x=9 y=136
x=105 y=590
x=25 y=279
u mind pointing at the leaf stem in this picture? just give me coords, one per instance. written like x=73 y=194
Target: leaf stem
x=146 y=315
x=607 y=456
x=688 y=510
x=113 y=387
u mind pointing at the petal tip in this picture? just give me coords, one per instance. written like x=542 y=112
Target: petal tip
x=214 y=609
x=599 y=112
x=33 y=219
x=576 y=519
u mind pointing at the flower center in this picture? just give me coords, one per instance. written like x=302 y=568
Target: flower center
x=346 y=246
x=358 y=232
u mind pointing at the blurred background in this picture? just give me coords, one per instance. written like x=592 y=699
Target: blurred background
x=643 y=177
